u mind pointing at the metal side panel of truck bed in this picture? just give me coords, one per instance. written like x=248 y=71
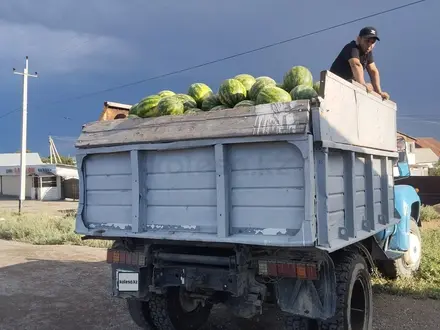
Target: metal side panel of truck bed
x=276 y=175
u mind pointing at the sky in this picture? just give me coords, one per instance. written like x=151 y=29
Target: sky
x=81 y=47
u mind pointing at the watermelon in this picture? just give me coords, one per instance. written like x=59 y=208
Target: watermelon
x=245 y=103
x=316 y=86
x=192 y=111
x=297 y=75
x=259 y=85
x=199 y=91
x=210 y=102
x=166 y=93
x=220 y=107
x=188 y=101
x=266 y=78
x=273 y=94
x=147 y=107
x=133 y=109
x=170 y=105
x=247 y=80
x=303 y=92
x=231 y=92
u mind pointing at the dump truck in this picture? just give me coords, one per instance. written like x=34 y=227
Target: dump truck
x=289 y=206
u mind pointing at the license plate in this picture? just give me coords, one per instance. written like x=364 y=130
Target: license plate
x=127 y=281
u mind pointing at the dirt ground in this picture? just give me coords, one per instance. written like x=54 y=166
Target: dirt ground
x=68 y=287
x=9 y=204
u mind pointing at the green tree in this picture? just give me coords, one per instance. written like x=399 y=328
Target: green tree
x=64 y=160
x=435 y=171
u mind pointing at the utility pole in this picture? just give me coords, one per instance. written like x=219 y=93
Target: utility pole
x=23 y=171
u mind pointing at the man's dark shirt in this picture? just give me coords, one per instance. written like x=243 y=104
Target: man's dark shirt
x=342 y=68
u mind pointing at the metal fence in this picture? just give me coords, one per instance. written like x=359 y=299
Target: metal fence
x=429 y=188
x=70 y=189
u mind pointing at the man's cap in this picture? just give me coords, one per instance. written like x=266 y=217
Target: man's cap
x=369 y=32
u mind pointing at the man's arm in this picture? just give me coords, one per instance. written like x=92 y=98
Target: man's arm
x=353 y=57
x=357 y=69
x=373 y=72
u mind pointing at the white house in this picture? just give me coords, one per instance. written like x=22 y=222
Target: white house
x=43 y=181
x=420 y=160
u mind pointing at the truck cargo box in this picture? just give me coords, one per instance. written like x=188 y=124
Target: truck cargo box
x=303 y=173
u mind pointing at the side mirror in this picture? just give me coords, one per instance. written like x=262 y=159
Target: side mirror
x=402 y=161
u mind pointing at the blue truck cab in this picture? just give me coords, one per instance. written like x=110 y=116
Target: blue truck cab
x=402 y=242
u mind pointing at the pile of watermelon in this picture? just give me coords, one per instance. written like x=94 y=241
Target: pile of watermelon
x=243 y=90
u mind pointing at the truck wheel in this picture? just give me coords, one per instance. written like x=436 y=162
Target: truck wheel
x=299 y=323
x=354 y=301
x=175 y=311
x=140 y=313
x=409 y=263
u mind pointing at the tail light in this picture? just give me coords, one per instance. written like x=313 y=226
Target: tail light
x=278 y=268
x=125 y=257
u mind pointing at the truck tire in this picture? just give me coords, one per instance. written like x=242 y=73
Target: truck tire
x=169 y=313
x=409 y=263
x=140 y=313
x=354 y=300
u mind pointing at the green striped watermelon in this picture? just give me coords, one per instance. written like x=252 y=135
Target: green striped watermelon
x=199 y=91
x=297 y=75
x=166 y=93
x=303 y=92
x=188 y=101
x=231 y=92
x=170 y=105
x=266 y=78
x=210 y=102
x=147 y=107
x=316 y=86
x=219 y=107
x=192 y=111
x=133 y=109
x=245 y=103
x=259 y=85
x=273 y=94
x=247 y=80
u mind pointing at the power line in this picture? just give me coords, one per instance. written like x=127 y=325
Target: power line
x=10 y=112
x=225 y=58
x=237 y=54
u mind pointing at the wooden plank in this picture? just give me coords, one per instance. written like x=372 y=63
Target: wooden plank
x=190 y=144
x=350 y=115
x=265 y=119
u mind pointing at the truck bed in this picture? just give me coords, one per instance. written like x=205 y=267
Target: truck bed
x=297 y=174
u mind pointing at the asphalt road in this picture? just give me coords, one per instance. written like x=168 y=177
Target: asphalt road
x=68 y=287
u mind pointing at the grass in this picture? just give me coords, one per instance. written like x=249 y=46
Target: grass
x=429 y=213
x=426 y=284
x=45 y=229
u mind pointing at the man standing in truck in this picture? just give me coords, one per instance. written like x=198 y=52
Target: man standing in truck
x=355 y=57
